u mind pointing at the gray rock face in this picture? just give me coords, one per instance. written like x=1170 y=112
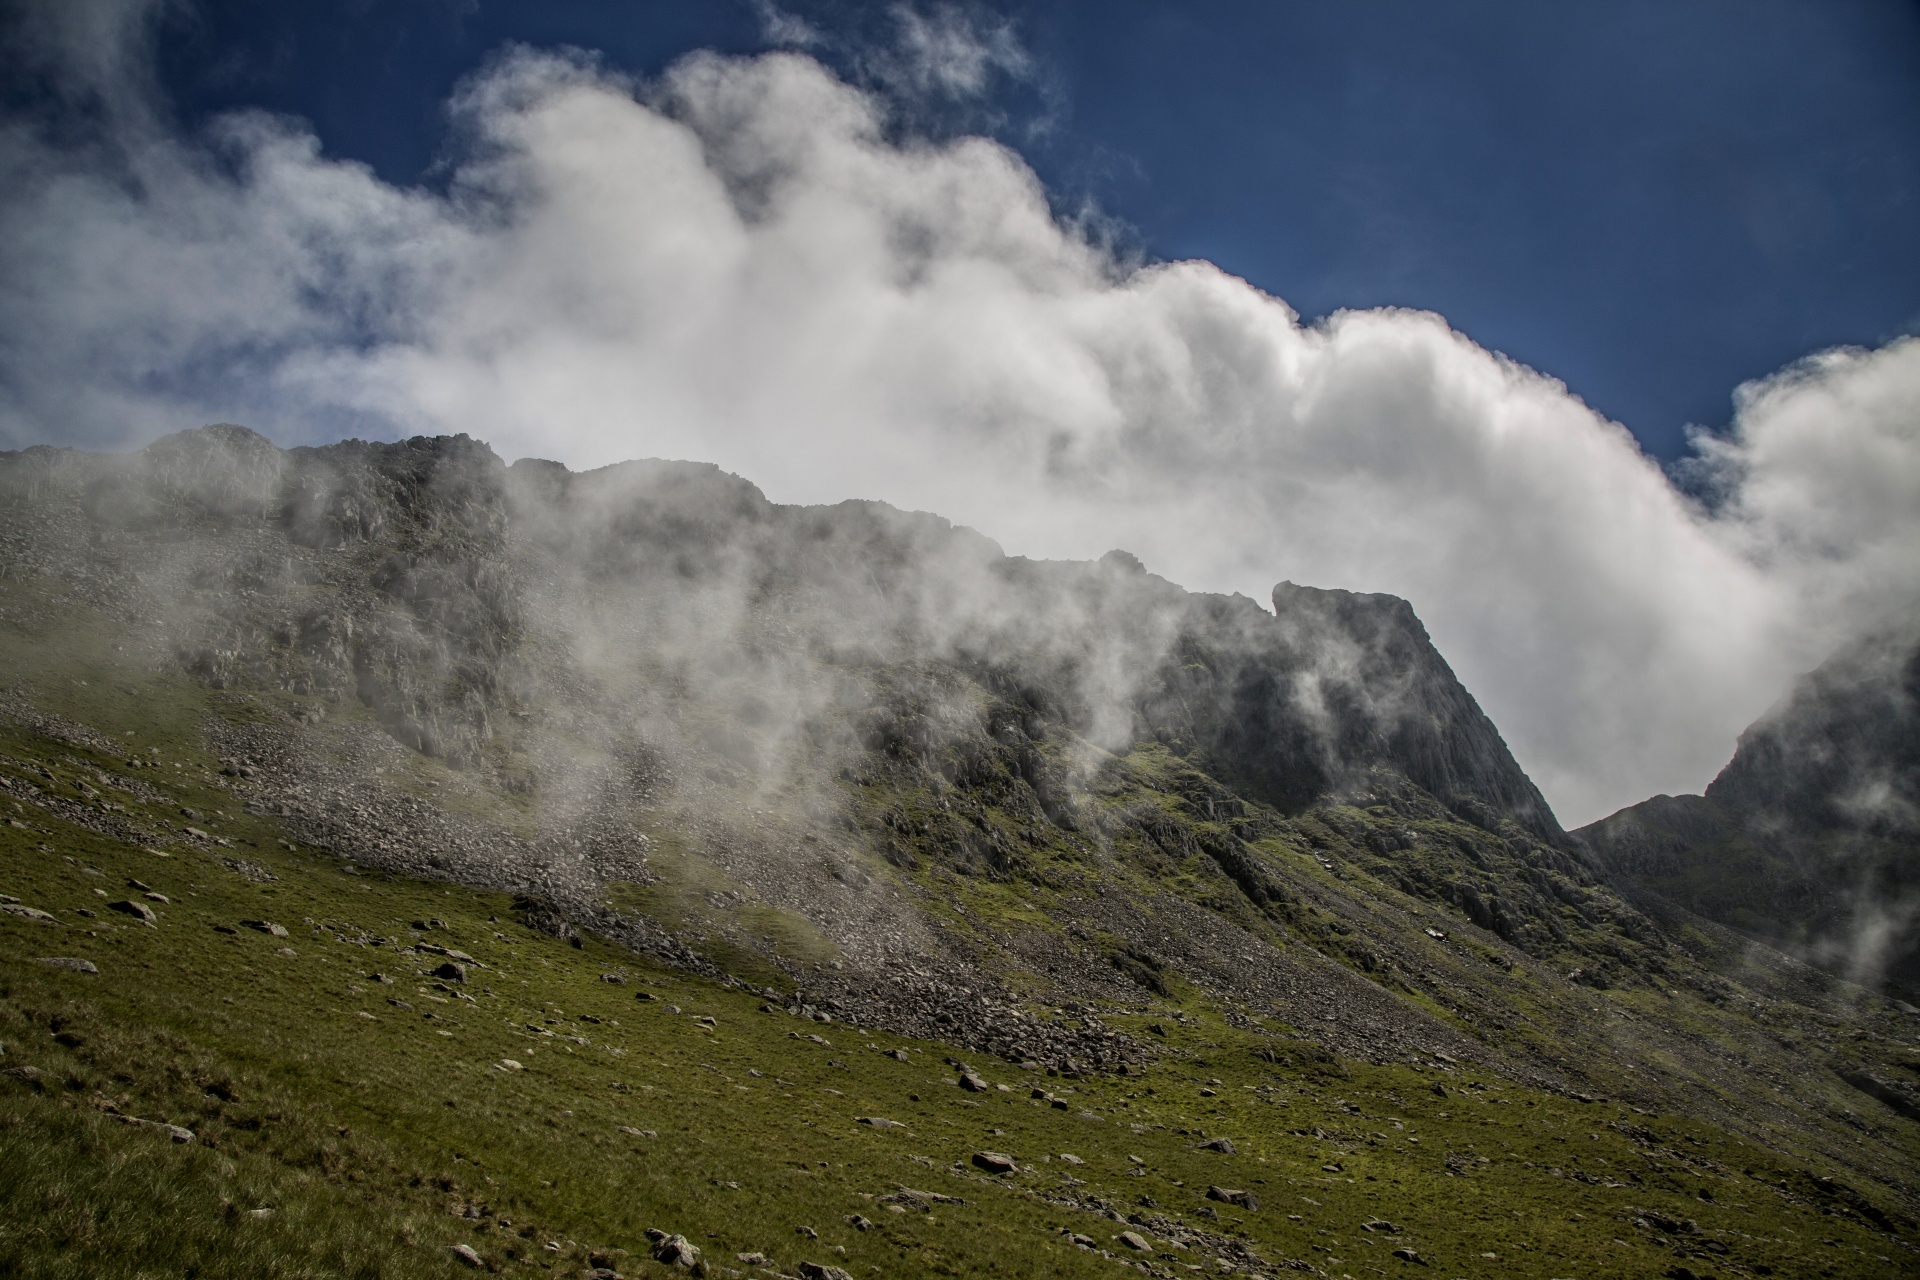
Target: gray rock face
x=659 y=638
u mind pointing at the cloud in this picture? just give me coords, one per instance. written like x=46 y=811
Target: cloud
x=948 y=52
x=781 y=28
x=743 y=262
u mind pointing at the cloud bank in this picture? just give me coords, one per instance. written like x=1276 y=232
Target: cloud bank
x=744 y=262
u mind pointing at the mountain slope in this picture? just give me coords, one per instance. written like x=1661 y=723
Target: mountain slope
x=1810 y=837
x=863 y=757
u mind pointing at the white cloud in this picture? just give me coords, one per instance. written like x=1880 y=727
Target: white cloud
x=737 y=263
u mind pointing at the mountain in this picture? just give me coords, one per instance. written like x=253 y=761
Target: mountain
x=1810 y=837
x=857 y=762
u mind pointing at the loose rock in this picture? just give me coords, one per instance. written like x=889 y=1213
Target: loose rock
x=820 y=1271
x=1223 y=1145
x=138 y=910
x=1244 y=1199
x=465 y=1253
x=1134 y=1240
x=68 y=962
x=674 y=1250
x=995 y=1162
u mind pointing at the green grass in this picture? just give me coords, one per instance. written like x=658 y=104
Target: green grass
x=377 y=1135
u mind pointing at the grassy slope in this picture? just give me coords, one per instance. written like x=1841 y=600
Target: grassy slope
x=368 y=1136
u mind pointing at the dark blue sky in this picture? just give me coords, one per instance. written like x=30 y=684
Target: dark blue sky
x=1652 y=201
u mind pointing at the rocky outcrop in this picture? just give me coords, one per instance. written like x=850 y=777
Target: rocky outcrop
x=1810 y=837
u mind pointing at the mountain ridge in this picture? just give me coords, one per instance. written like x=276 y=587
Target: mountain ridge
x=862 y=757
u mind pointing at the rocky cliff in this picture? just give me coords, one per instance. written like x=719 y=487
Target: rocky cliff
x=1810 y=837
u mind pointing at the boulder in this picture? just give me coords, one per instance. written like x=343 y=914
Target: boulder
x=1243 y=1199
x=995 y=1162
x=138 y=910
x=674 y=1250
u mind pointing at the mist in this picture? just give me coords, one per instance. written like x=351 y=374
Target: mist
x=748 y=261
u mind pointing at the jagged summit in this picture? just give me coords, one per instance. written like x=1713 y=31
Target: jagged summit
x=1810 y=837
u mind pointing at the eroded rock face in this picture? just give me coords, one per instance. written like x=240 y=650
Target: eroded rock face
x=655 y=646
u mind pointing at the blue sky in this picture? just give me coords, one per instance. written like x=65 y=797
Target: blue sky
x=1653 y=202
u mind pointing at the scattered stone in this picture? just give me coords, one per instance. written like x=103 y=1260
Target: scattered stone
x=1439 y=1090
x=1223 y=1145
x=68 y=962
x=820 y=1271
x=138 y=910
x=1070 y=1158
x=879 y=1122
x=972 y=1082
x=995 y=1162
x=267 y=927
x=161 y=898
x=674 y=1250
x=1225 y=1195
x=860 y=1223
x=898 y=1055
x=615 y=978
x=451 y=971
x=1333 y=1167
x=465 y=1253
x=1380 y=1225
x=1408 y=1255
x=24 y=912
x=176 y=1132
x=29 y=1076
x=632 y=1132
x=751 y=1259
x=1135 y=1241
x=508 y=1064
